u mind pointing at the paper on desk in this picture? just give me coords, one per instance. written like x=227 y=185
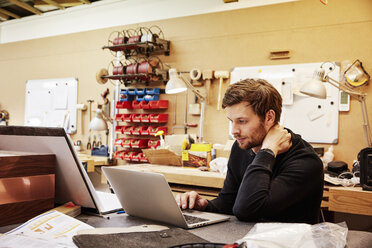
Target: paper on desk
x=52 y=227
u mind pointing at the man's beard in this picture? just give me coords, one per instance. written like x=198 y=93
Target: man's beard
x=256 y=140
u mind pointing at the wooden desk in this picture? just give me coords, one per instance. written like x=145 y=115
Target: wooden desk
x=350 y=200
x=206 y=183
x=93 y=161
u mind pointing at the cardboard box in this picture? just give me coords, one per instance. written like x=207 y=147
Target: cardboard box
x=162 y=156
x=196 y=158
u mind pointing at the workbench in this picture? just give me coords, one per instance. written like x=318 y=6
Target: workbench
x=181 y=179
x=208 y=184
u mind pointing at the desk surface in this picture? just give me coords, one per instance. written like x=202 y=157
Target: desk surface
x=183 y=175
x=225 y=232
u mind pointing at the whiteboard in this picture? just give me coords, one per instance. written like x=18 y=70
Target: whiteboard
x=316 y=120
x=52 y=103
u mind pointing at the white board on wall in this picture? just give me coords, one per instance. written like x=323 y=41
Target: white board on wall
x=52 y=103
x=316 y=120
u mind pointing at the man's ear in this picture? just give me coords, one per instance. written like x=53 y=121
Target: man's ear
x=270 y=118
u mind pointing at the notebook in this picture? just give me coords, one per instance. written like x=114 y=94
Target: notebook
x=148 y=195
x=72 y=182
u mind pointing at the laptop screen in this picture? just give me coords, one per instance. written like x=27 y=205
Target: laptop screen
x=71 y=180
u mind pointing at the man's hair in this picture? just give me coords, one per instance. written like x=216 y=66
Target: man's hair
x=258 y=93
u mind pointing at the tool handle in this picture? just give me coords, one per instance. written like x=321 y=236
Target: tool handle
x=207 y=89
x=219 y=94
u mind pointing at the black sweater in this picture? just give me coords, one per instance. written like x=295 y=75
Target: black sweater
x=260 y=187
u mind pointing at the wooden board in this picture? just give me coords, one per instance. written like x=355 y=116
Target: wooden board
x=350 y=200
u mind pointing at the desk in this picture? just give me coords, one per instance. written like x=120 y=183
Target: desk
x=350 y=200
x=225 y=232
x=207 y=183
x=92 y=161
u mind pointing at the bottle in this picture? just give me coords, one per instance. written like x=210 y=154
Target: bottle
x=328 y=157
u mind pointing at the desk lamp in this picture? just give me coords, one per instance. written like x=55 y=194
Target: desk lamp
x=315 y=88
x=177 y=83
x=99 y=123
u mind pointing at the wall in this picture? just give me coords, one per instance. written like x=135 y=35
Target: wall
x=220 y=41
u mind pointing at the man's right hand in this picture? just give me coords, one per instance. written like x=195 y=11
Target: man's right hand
x=191 y=200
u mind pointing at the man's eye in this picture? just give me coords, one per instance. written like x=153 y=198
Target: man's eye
x=242 y=121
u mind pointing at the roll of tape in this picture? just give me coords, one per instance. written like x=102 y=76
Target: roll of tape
x=195 y=74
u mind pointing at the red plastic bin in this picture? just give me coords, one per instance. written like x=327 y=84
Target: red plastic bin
x=127 y=130
x=154 y=130
x=136 y=130
x=136 y=117
x=124 y=105
x=145 y=118
x=137 y=157
x=145 y=105
x=160 y=104
x=129 y=156
x=144 y=130
x=139 y=143
x=153 y=144
x=120 y=154
x=119 y=142
x=119 y=117
x=127 y=117
x=158 y=118
x=136 y=105
x=119 y=129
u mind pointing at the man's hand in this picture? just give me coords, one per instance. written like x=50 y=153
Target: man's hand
x=277 y=139
x=191 y=200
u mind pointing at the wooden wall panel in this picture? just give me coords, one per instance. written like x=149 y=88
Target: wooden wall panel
x=312 y=31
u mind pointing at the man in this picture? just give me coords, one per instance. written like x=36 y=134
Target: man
x=273 y=174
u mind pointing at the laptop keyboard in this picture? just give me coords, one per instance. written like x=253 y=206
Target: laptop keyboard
x=192 y=219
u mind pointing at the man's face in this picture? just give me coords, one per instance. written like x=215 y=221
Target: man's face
x=247 y=127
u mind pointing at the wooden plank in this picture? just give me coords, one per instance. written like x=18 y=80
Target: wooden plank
x=350 y=200
x=64 y=3
x=54 y=3
x=5 y=17
x=4 y=11
x=25 y=6
x=182 y=175
x=18 y=164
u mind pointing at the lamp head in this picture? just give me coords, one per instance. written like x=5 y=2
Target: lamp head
x=175 y=84
x=315 y=87
x=98 y=123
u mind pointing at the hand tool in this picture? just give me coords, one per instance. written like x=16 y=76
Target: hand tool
x=221 y=75
x=208 y=76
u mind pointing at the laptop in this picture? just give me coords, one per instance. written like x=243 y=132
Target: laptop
x=72 y=182
x=148 y=195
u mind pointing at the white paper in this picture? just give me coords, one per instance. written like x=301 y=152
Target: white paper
x=52 y=227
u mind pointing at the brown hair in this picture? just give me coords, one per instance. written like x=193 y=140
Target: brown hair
x=258 y=93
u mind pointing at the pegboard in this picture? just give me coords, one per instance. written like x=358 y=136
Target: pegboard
x=52 y=103
x=316 y=120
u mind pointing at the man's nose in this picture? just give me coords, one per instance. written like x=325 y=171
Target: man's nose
x=234 y=129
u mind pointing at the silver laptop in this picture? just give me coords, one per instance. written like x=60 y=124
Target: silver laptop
x=72 y=182
x=148 y=195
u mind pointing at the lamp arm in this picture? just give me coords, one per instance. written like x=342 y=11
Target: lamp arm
x=190 y=86
x=354 y=94
x=361 y=97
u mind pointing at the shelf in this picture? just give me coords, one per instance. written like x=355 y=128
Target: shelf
x=146 y=48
